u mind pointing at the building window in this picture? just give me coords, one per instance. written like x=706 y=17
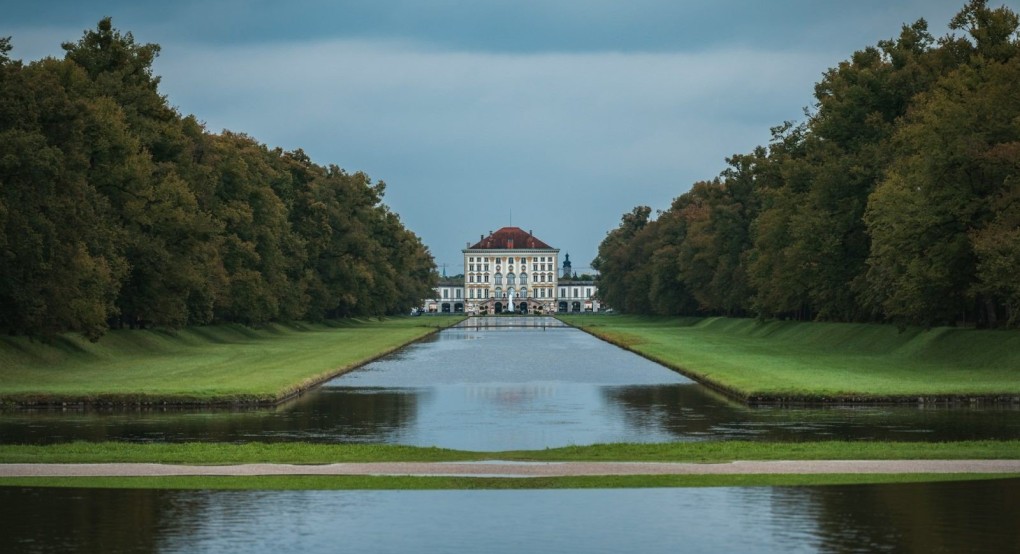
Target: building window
x=524 y=292
x=524 y=278
x=446 y=293
x=510 y=280
x=499 y=292
x=458 y=293
x=499 y=279
x=575 y=293
x=563 y=293
x=587 y=293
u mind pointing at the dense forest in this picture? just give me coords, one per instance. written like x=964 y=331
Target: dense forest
x=116 y=210
x=897 y=200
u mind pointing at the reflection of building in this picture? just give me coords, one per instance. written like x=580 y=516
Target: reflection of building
x=512 y=270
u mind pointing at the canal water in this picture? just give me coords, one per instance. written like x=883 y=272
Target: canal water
x=516 y=383
x=513 y=383
x=926 y=517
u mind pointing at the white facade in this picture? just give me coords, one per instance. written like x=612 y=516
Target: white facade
x=512 y=271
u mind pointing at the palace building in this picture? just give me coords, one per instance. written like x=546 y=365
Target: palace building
x=512 y=270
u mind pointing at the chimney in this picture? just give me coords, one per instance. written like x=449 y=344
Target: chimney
x=467 y=245
x=530 y=233
x=482 y=237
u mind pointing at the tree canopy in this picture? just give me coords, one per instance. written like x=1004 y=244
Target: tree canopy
x=116 y=210
x=898 y=199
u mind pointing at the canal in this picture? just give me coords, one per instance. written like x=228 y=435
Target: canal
x=516 y=383
x=505 y=383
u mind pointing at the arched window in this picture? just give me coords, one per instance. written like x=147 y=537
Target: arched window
x=524 y=292
x=510 y=279
x=499 y=279
x=499 y=292
x=524 y=278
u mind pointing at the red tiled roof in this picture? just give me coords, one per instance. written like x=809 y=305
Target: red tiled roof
x=509 y=238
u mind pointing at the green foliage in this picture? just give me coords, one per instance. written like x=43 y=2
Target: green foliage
x=117 y=211
x=895 y=201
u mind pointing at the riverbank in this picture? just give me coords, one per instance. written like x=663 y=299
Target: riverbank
x=219 y=453
x=293 y=466
x=211 y=365
x=800 y=362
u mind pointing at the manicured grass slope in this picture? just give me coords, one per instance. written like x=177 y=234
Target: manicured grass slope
x=304 y=453
x=358 y=482
x=800 y=361
x=307 y=453
x=214 y=364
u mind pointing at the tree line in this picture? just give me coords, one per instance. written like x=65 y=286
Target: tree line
x=897 y=200
x=116 y=210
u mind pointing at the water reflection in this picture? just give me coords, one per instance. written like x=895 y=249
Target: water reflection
x=927 y=517
x=504 y=386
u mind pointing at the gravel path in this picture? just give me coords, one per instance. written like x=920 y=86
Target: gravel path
x=518 y=469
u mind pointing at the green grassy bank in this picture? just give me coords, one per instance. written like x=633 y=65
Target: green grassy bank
x=199 y=453
x=357 y=482
x=785 y=361
x=305 y=453
x=223 y=364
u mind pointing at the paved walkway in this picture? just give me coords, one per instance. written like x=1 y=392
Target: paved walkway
x=518 y=469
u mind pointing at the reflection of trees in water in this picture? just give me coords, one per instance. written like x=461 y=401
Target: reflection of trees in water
x=680 y=410
x=691 y=411
x=326 y=415
x=82 y=520
x=975 y=516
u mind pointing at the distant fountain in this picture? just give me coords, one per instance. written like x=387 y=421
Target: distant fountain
x=510 y=304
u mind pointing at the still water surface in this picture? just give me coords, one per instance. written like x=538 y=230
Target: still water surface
x=505 y=388
x=927 y=517
x=513 y=387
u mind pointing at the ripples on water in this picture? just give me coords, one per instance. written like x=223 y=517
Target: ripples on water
x=927 y=517
x=514 y=388
x=508 y=387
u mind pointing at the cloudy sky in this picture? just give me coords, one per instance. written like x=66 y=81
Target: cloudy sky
x=562 y=114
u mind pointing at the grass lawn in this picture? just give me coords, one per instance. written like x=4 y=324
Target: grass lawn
x=358 y=482
x=213 y=364
x=204 y=453
x=816 y=362
x=305 y=453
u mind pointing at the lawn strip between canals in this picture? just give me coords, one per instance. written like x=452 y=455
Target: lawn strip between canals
x=498 y=468
x=218 y=453
x=371 y=482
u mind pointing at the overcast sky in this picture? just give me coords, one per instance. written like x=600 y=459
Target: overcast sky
x=566 y=113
